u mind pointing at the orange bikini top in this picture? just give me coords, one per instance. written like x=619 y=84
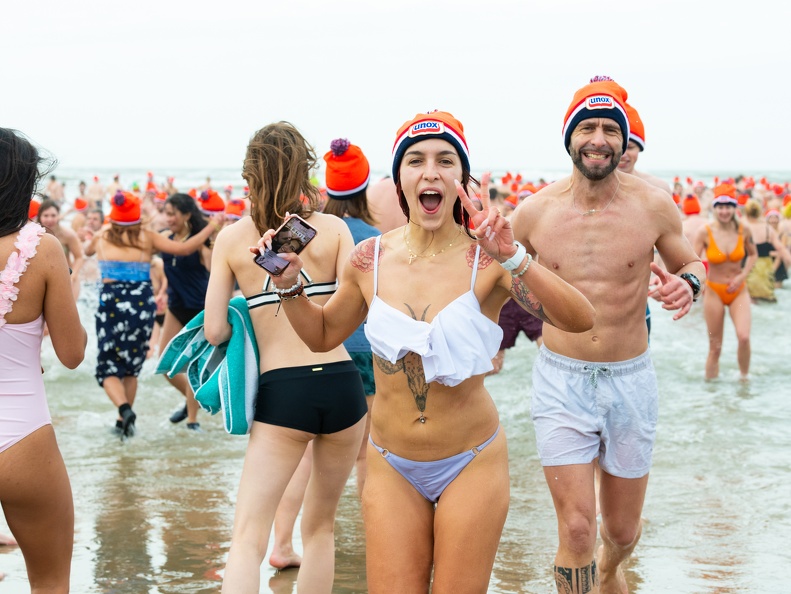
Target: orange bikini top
x=715 y=255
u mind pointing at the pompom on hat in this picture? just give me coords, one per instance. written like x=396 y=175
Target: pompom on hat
x=125 y=209
x=348 y=171
x=434 y=124
x=210 y=202
x=601 y=98
x=636 y=128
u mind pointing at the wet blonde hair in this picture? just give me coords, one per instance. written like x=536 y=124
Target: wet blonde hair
x=753 y=209
x=277 y=169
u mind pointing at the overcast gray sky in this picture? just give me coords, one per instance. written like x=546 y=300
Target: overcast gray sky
x=185 y=84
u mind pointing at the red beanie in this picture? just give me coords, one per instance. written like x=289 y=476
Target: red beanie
x=348 y=171
x=234 y=209
x=435 y=124
x=80 y=204
x=724 y=194
x=602 y=98
x=691 y=205
x=636 y=129
x=125 y=208
x=210 y=202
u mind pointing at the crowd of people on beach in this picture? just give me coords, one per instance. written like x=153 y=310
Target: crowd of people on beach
x=388 y=322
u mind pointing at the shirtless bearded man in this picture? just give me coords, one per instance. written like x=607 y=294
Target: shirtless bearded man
x=595 y=393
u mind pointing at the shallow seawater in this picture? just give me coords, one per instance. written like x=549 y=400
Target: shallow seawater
x=154 y=513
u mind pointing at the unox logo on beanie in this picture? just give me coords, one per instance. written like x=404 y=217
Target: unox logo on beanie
x=434 y=124
x=601 y=98
x=600 y=102
x=428 y=127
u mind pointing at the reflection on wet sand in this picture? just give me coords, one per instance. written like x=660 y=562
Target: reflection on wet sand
x=154 y=515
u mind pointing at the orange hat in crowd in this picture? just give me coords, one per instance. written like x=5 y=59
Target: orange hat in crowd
x=348 y=171
x=160 y=197
x=80 y=204
x=234 y=209
x=210 y=202
x=691 y=205
x=602 y=98
x=636 y=129
x=434 y=124
x=724 y=194
x=125 y=208
x=32 y=211
x=194 y=193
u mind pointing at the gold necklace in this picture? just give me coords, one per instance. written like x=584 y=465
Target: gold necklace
x=413 y=255
x=593 y=210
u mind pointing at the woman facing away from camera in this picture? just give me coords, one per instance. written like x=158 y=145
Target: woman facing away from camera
x=303 y=396
x=347 y=176
x=437 y=490
x=35 y=288
x=125 y=316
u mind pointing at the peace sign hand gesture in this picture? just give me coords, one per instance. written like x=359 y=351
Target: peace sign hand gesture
x=490 y=228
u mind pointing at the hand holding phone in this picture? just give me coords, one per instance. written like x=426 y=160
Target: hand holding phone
x=291 y=237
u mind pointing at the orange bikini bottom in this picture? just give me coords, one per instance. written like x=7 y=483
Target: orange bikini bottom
x=722 y=290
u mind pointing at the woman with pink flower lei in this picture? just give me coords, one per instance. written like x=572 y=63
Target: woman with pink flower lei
x=35 y=288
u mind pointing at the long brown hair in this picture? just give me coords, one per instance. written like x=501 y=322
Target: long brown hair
x=124 y=235
x=277 y=169
x=355 y=206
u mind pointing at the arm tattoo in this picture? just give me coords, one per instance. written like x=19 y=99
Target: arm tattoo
x=524 y=297
x=576 y=580
x=362 y=256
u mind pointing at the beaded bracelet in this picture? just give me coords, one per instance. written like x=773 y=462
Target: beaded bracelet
x=519 y=273
x=289 y=295
x=285 y=292
x=293 y=294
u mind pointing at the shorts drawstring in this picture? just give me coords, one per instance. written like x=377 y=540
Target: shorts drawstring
x=594 y=371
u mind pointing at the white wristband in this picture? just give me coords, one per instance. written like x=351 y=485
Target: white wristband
x=514 y=261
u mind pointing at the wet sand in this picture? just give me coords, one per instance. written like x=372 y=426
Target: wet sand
x=154 y=514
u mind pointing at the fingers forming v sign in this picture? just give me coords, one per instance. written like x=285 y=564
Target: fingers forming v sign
x=491 y=229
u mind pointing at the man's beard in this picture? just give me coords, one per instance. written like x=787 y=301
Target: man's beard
x=593 y=174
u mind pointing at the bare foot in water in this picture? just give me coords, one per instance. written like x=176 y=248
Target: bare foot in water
x=284 y=559
x=610 y=582
x=7 y=540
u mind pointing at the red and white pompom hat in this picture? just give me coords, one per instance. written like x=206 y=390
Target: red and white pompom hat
x=348 y=171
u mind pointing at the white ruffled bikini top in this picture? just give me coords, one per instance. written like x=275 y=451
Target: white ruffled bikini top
x=457 y=344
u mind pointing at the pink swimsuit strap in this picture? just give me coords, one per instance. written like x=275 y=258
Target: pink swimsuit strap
x=26 y=245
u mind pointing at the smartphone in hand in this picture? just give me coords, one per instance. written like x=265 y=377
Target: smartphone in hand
x=292 y=236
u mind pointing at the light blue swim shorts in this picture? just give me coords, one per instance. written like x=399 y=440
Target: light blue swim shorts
x=584 y=410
